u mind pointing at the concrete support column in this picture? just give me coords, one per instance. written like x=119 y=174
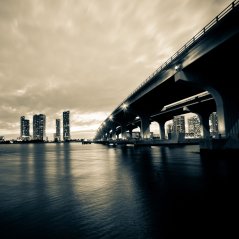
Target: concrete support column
x=228 y=118
x=145 y=130
x=130 y=133
x=161 y=129
x=114 y=136
x=205 y=129
x=123 y=131
x=105 y=136
x=108 y=136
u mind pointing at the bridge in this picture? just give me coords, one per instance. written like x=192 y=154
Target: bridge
x=200 y=77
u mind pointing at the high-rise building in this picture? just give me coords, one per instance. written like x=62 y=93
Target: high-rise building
x=194 y=127
x=57 y=136
x=213 y=124
x=24 y=128
x=39 y=127
x=179 y=124
x=22 y=119
x=66 y=126
x=169 y=130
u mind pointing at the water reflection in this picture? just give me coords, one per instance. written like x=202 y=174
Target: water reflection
x=93 y=191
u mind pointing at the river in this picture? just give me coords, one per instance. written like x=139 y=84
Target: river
x=95 y=191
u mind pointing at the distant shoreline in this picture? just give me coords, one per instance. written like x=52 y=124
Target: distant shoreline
x=46 y=142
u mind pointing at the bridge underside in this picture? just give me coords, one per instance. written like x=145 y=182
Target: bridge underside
x=210 y=65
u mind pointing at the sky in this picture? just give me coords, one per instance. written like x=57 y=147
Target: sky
x=86 y=56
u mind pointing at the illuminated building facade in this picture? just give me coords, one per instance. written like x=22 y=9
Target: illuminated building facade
x=66 y=126
x=58 y=130
x=179 y=124
x=213 y=124
x=39 y=127
x=24 y=128
x=194 y=127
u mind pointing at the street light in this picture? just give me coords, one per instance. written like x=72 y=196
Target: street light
x=124 y=106
x=178 y=67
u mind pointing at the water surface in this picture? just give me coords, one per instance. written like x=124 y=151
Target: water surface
x=94 y=191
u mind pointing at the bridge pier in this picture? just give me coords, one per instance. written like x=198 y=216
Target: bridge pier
x=228 y=119
x=123 y=131
x=114 y=135
x=205 y=128
x=228 y=116
x=161 y=129
x=227 y=101
x=145 y=127
x=130 y=133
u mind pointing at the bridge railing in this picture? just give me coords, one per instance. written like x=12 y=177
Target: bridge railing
x=184 y=48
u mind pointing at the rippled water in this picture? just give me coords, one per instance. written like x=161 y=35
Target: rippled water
x=94 y=191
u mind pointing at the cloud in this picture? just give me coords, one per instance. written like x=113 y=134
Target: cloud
x=87 y=56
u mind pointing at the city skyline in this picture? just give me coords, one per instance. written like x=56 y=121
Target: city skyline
x=38 y=129
x=86 y=56
x=179 y=124
x=184 y=123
